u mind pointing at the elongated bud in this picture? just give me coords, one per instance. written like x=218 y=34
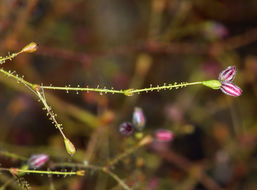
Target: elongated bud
x=30 y=48
x=38 y=160
x=126 y=128
x=163 y=135
x=138 y=119
x=214 y=84
x=230 y=89
x=228 y=74
x=70 y=148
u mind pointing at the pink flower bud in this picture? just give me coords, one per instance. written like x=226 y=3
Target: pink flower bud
x=214 y=30
x=163 y=135
x=37 y=160
x=230 y=89
x=228 y=74
x=126 y=128
x=138 y=119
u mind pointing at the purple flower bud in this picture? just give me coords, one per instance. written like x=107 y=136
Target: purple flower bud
x=214 y=30
x=37 y=160
x=163 y=135
x=126 y=128
x=228 y=74
x=138 y=119
x=230 y=89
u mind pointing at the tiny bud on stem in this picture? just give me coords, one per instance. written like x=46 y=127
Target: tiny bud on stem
x=30 y=48
x=80 y=172
x=70 y=148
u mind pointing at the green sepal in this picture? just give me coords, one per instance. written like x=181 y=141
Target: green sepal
x=214 y=84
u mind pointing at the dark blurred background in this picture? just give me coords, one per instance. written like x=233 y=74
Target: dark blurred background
x=132 y=44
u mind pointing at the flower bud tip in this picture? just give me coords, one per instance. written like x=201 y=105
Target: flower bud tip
x=30 y=48
x=70 y=148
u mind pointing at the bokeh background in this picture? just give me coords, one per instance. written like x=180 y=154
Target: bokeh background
x=132 y=44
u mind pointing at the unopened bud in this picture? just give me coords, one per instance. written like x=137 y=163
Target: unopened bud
x=230 y=89
x=38 y=160
x=228 y=74
x=70 y=148
x=126 y=128
x=138 y=119
x=164 y=135
x=30 y=48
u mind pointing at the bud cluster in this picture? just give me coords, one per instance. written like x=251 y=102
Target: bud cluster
x=138 y=123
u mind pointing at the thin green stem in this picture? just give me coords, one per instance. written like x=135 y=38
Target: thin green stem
x=50 y=112
x=127 y=92
x=65 y=173
x=68 y=88
x=164 y=87
x=9 y=57
x=19 y=79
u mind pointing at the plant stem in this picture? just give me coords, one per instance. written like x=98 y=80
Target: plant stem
x=50 y=112
x=127 y=92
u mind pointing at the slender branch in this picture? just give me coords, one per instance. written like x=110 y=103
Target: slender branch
x=25 y=171
x=9 y=57
x=18 y=78
x=50 y=112
x=165 y=87
x=68 y=88
x=127 y=92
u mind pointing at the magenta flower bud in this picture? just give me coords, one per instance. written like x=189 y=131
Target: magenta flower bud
x=228 y=74
x=230 y=89
x=126 y=128
x=138 y=119
x=163 y=135
x=37 y=160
